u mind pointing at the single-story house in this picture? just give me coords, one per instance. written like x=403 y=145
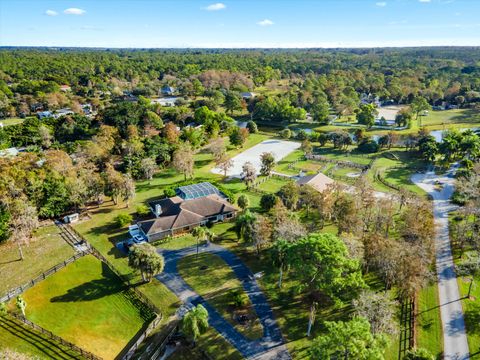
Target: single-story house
x=319 y=182
x=62 y=112
x=167 y=101
x=44 y=114
x=194 y=205
x=247 y=95
x=10 y=152
x=167 y=90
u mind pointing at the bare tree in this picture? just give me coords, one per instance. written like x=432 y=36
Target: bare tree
x=378 y=309
x=24 y=220
x=249 y=174
x=149 y=167
x=183 y=160
x=128 y=189
x=224 y=163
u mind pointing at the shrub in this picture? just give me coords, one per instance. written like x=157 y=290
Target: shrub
x=123 y=220
x=268 y=201
x=418 y=354
x=286 y=133
x=368 y=146
x=252 y=127
x=238 y=298
x=302 y=135
x=143 y=210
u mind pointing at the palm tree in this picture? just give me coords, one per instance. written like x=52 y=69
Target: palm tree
x=3 y=309
x=195 y=322
x=21 y=304
x=280 y=257
x=200 y=233
x=144 y=257
x=244 y=225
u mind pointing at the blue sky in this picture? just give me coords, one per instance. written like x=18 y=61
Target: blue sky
x=239 y=23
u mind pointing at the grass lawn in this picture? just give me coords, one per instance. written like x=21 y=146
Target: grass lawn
x=429 y=324
x=435 y=120
x=11 y=121
x=213 y=344
x=467 y=117
x=215 y=284
x=86 y=304
x=102 y=233
x=396 y=172
x=22 y=339
x=471 y=306
x=290 y=308
x=471 y=309
x=45 y=250
x=274 y=184
x=336 y=154
x=307 y=166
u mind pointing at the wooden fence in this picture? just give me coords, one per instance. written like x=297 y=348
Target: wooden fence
x=131 y=285
x=84 y=353
x=75 y=238
x=341 y=163
x=131 y=351
x=407 y=326
x=160 y=347
x=134 y=293
x=17 y=291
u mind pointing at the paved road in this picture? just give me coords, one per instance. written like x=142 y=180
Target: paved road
x=270 y=346
x=454 y=333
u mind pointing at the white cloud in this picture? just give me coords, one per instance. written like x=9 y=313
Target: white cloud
x=425 y=1
x=51 y=13
x=266 y=22
x=216 y=7
x=381 y=4
x=74 y=11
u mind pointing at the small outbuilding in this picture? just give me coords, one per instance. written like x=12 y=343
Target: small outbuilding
x=68 y=219
x=319 y=182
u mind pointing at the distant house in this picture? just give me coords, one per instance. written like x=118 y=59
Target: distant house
x=65 y=88
x=10 y=152
x=167 y=90
x=87 y=109
x=62 y=112
x=193 y=205
x=247 y=95
x=36 y=107
x=319 y=182
x=44 y=114
x=167 y=101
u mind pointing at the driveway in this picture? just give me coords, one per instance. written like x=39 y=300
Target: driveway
x=279 y=148
x=270 y=346
x=441 y=188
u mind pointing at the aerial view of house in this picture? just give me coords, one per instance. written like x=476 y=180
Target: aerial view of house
x=259 y=180
x=194 y=205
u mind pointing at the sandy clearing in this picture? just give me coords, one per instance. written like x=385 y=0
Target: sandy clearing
x=279 y=148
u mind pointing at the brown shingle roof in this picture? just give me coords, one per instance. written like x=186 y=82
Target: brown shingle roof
x=177 y=213
x=319 y=181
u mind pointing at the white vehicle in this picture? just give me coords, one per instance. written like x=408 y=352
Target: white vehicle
x=136 y=239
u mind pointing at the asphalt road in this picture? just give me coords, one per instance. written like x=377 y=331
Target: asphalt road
x=270 y=346
x=441 y=188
